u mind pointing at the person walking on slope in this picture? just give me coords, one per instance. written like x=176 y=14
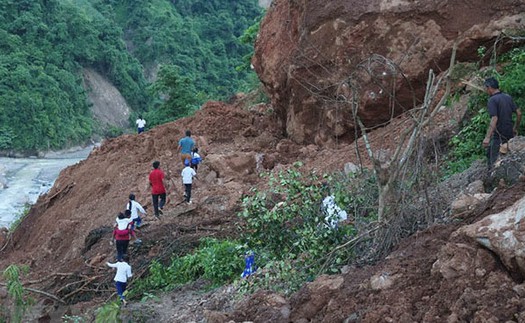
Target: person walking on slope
x=127 y=213
x=500 y=130
x=141 y=124
x=135 y=208
x=186 y=146
x=121 y=276
x=188 y=174
x=158 y=188
x=122 y=233
x=195 y=158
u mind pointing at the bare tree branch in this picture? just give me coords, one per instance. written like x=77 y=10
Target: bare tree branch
x=37 y=291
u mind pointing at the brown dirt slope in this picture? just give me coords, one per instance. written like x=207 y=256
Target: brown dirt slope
x=405 y=288
x=64 y=239
x=68 y=229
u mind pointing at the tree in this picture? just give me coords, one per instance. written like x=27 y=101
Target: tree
x=396 y=174
x=176 y=95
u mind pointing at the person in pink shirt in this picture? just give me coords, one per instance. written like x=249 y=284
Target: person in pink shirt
x=158 y=189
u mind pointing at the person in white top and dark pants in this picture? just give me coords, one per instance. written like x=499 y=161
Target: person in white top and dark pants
x=187 y=179
x=122 y=275
x=141 y=124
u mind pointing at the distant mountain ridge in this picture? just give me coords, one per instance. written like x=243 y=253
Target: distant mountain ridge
x=46 y=45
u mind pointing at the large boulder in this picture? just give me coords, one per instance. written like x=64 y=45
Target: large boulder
x=504 y=234
x=308 y=51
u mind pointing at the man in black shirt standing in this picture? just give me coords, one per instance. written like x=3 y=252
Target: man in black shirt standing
x=501 y=129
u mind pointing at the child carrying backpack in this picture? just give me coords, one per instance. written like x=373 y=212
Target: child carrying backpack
x=195 y=158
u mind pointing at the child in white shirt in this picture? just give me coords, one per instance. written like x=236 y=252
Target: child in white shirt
x=122 y=275
x=187 y=179
x=141 y=124
x=136 y=209
x=195 y=158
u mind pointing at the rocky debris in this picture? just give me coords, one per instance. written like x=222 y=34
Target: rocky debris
x=451 y=262
x=509 y=168
x=65 y=230
x=504 y=234
x=54 y=236
x=465 y=202
x=411 y=285
x=448 y=272
x=382 y=281
x=307 y=51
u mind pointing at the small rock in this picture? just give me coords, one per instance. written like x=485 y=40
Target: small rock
x=352 y=318
x=520 y=290
x=381 y=281
x=350 y=168
x=97 y=259
x=480 y=272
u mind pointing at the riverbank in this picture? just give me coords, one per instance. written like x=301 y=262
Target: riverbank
x=23 y=180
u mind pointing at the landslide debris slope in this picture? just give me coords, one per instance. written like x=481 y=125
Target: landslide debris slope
x=305 y=56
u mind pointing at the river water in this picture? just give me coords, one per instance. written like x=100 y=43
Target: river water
x=26 y=179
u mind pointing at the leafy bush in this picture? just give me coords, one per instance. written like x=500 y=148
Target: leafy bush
x=466 y=145
x=6 y=137
x=108 y=313
x=218 y=261
x=176 y=97
x=513 y=79
x=288 y=229
x=113 y=132
x=19 y=217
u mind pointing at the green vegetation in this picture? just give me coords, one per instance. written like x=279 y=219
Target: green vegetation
x=216 y=261
x=287 y=230
x=180 y=99
x=19 y=217
x=20 y=301
x=108 y=313
x=248 y=37
x=287 y=227
x=466 y=145
x=198 y=37
x=43 y=47
x=192 y=45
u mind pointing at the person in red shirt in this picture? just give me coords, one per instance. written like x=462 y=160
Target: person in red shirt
x=158 y=190
x=122 y=233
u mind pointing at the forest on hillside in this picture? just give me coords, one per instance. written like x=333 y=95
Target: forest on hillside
x=147 y=49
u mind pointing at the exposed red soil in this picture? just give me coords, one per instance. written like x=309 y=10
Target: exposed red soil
x=417 y=294
x=65 y=237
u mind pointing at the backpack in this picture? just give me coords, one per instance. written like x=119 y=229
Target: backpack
x=195 y=160
x=122 y=234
